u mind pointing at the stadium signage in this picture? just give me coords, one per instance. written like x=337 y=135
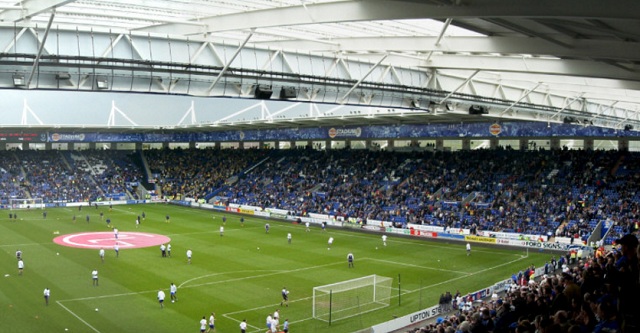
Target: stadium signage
x=282 y=212
x=246 y=211
x=67 y=137
x=345 y=132
x=351 y=225
x=319 y=216
x=379 y=223
x=495 y=129
x=426 y=314
x=259 y=213
x=373 y=228
x=481 y=239
x=422 y=233
x=550 y=246
x=21 y=137
x=426 y=227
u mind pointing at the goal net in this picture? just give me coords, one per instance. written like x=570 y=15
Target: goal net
x=24 y=203
x=350 y=298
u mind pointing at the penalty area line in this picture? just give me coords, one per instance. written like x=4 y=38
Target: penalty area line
x=416 y=266
x=78 y=317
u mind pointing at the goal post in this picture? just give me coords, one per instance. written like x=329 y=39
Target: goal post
x=350 y=298
x=25 y=203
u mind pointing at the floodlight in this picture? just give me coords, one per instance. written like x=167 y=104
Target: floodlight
x=18 y=80
x=102 y=82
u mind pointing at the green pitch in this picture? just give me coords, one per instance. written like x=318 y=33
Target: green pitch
x=237 y=276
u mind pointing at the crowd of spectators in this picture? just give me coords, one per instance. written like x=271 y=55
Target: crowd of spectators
x=65 y=176
x=544 y=192
x=597 y=294
x=553 y=193
x=197 y=173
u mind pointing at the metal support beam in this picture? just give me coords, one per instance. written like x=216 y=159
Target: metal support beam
x=362 y=78
x=112 y=115
x=233 y=57
x=566 y=106
x=26 y=111
x=526 y=93
x=460 y=86
x=191 y=112
x=41 y=48
x=440 y=36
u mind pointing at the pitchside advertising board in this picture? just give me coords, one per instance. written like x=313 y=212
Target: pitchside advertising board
x=432 y=312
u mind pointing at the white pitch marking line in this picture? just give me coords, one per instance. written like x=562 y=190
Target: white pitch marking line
x=75 y=315
x=224 y=273
x=268 y=274
x=417 y=266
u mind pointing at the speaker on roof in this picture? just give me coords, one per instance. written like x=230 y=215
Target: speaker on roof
x=477 y=109
x=288 y=92
x=263 y=91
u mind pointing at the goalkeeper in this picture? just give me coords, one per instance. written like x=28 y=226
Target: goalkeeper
x=350 y=259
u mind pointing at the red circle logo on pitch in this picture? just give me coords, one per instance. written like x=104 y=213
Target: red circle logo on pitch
x=125 y=240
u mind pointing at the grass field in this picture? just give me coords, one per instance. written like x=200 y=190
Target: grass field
x=238 y=276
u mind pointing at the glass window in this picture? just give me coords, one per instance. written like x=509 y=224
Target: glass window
x=571 y=144
x=480 y=144
x=37 y=146
x=358 y=144
x=60 y=146
x=176 y=145
x=152 y=145
x=634 y=145
x=81 y=146
x=452 y=145
x=205 y=145
x=513 y=144
x=126 y=146
x=606 y=144
x=251 y=145
x=229 y=145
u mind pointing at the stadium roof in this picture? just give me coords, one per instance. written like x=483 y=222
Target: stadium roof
x=584 y=50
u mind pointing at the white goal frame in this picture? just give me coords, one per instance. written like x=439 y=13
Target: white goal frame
x=350 y=298
x=25 y=203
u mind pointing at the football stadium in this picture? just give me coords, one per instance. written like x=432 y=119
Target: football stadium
x=319 y=166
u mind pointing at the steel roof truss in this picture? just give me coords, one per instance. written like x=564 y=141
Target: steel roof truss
x=226 y=66
x=26 y=111
x=191 y=112
x=524 y=95
x=41 y=48
x=371 y=69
